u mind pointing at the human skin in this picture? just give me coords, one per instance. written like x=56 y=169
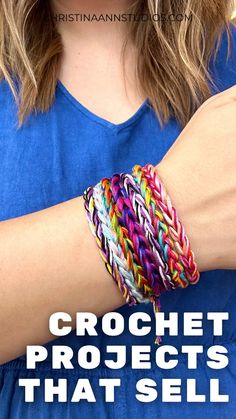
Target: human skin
x=49 y=260
x=91 y=67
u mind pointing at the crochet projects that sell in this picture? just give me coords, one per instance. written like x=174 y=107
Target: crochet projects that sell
x=141 y=239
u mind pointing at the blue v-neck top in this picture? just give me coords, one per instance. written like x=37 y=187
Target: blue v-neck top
x=53 y=158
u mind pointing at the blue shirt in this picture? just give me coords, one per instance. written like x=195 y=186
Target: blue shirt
x=53 y=158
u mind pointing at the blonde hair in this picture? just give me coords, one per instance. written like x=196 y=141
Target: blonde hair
x=173 y=57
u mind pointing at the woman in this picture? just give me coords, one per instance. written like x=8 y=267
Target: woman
x=76 y=120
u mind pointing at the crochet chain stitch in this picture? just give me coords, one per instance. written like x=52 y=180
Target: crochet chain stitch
x=166 y=242
x=115 y=250
x=176 y=229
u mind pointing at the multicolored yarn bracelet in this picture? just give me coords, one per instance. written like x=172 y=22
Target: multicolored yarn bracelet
x=176 y=229
x=116 y=253
x=140 y=237
x=166 y=242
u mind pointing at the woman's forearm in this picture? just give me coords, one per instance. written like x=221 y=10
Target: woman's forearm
x=49 y=262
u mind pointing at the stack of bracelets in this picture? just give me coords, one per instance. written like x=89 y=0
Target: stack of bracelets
x=140 y=237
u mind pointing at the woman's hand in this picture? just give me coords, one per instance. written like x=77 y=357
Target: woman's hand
x=199 y=172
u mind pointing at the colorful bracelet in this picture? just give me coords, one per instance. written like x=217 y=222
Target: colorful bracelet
x=176 y=229
x=114 y=249
x=140 y=237
x=170 y=253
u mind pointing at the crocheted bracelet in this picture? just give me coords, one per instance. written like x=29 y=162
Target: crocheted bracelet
x=141 y=239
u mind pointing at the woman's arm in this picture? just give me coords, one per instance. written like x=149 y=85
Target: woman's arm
x=49 y=260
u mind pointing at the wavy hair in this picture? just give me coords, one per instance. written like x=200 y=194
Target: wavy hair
x=173 y=57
